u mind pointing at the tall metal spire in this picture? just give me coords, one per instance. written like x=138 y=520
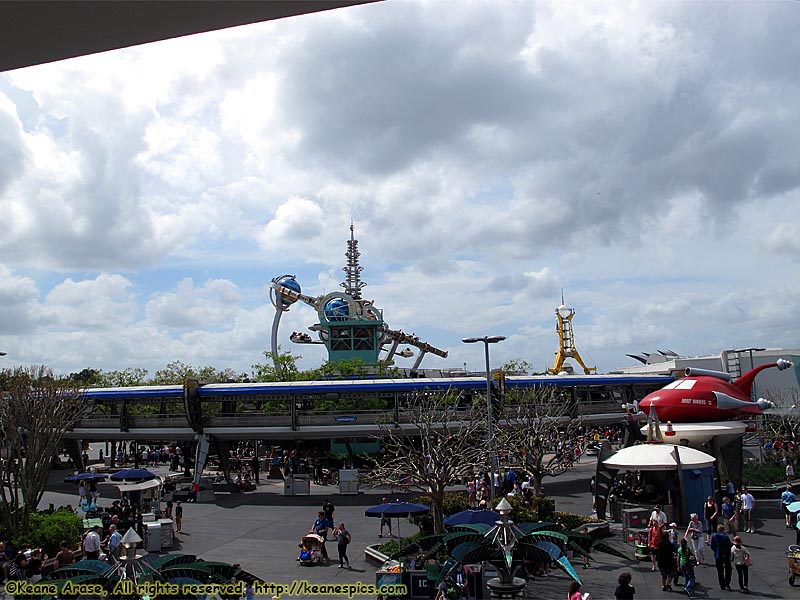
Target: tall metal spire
x=352 y=284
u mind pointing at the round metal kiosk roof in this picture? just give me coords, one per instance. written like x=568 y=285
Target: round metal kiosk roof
x=658 y=457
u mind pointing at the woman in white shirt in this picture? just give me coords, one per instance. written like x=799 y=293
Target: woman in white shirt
x=694 y=535
x=740 y=557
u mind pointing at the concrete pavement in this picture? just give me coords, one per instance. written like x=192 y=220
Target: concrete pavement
x=261 y=531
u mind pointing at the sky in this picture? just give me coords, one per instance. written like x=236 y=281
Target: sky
x=641 y=157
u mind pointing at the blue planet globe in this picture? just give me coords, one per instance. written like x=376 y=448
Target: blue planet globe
x=291 y=284
x=337 y=310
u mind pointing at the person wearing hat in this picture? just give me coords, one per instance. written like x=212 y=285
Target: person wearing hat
x=673 y=534
x=91 y=545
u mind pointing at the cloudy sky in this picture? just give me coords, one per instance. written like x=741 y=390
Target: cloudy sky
x=643 y=157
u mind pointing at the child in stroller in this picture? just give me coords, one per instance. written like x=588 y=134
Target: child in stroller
x=310 y=546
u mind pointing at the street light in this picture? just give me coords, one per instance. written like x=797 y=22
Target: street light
x=488 y=339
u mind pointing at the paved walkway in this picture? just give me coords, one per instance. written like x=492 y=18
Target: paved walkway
x=261 y=531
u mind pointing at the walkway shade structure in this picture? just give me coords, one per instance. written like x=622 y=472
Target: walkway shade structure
x=398 y=510
x=85 y=477
x=133 y=475
x=658 y=457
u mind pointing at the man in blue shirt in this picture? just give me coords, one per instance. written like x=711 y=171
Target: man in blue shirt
x=721 y=546
x=112 y=543
x=320 y=527
x=787 y=497
x=728 y=511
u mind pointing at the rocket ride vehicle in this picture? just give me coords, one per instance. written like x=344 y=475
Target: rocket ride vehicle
x=704 y=403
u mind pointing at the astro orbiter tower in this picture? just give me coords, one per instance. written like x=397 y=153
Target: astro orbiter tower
x=349 y=326
x=566 y=343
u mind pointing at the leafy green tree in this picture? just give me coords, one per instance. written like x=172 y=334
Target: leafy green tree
x=36 y=410
x=517 y=366
x=279 y=367
x=87 y=377
x=130 y=377
x=344 y=369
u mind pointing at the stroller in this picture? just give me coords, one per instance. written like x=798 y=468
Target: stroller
x=310 y=549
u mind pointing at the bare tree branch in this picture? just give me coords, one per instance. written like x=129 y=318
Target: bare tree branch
x=539 y=426
x=439 y=439
x=35 y=410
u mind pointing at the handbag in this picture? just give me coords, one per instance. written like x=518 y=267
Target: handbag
x=748 y=561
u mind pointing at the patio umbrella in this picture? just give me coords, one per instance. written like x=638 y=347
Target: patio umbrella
x=133 y=475
x=472 y=516
x=85 y=477
x=397 y=510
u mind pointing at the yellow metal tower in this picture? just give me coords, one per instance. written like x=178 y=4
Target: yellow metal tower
x=566 y=345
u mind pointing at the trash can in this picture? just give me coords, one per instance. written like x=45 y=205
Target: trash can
x=288 y=486
x=152 y=537
x=348 y=481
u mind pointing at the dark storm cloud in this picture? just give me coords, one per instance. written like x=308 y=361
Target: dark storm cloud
x=381 y=97
x=615 y=136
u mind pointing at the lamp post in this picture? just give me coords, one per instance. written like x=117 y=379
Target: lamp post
x=488 y=339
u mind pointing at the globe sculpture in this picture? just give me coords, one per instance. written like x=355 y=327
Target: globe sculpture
x=291 y=284
x=336 y=310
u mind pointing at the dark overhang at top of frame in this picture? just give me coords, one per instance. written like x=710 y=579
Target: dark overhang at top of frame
x=33 y=33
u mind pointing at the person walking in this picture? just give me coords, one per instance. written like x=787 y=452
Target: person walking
x=320 y=527
x=91 y=545
x=654 y=535
x=112 y=543
x=665 y=558
x=178 y=516
x=385 y=521
x=328 y=508
x=686 y=563
x=658 y=516
x=343 y=539
x=721 y=546
x=787 y=497
x=696 y=537
x=741 y=560
x=729 y=515
x=710 y=515
x=748 y=504
x=624 y=590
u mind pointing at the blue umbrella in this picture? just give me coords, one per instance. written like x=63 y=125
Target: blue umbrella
x=793 y=507
x=397 y=510
x=133 y=475
x=473 y=516
x=85 y=477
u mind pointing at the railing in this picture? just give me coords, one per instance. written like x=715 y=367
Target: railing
x=249 y=420
x=304 y=418
x=330 y=418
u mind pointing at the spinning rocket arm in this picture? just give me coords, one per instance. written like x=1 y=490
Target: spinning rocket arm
x=276 y=291
x=398 y=337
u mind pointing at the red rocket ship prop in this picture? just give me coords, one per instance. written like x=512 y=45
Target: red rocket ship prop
x=712 y=396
